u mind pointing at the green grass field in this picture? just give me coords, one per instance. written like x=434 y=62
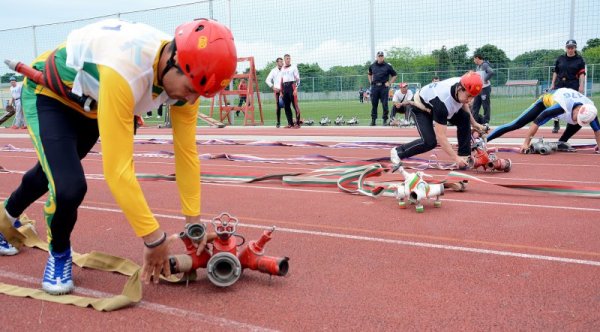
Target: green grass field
x=504 y=110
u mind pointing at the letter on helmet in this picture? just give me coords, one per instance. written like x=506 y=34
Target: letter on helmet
x=206 y=54
x=472 y=83
x=587 y=114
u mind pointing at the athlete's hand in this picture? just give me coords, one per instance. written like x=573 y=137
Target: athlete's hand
x=524 y=149
x=479 y=128
x=156 y=260
x=461 y=163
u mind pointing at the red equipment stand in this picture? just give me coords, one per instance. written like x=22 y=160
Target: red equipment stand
x=225 y=106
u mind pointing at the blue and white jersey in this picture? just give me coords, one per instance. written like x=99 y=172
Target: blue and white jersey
x=568 y=99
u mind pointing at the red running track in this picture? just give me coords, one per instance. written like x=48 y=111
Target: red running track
x=490 y=258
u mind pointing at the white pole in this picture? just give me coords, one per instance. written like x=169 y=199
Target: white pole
x=372 y=29
x=229 y=14
x=572 y=20
x=35 y=50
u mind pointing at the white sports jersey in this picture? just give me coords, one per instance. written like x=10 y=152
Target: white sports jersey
x=274 y=78
x=441 y=90
x=128 y=48
x=290 y=74
x=567 y=98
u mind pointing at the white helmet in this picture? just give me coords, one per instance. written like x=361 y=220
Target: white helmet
x=587 y=114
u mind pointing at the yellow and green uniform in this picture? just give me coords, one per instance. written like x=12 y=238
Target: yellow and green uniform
x=115 y=63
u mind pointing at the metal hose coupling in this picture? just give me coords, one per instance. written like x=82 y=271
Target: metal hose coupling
x=224 y=269
x=191 y=236
x=195 y=232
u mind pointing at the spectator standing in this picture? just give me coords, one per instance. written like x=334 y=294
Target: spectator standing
x=381 y=76
x=290 y=81
x=361 y=95
x=274 y=82
x=242 y=86
x=483 y=99
x=15 y=94
x=569 y=72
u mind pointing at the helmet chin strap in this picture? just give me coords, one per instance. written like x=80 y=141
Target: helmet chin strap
x=170 y=63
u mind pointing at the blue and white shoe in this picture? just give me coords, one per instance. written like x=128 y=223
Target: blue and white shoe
x=57 y=275
x=6 y=249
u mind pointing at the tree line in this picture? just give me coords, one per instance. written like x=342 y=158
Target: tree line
x=443 y=62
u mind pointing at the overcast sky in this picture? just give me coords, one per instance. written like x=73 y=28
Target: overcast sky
x=38 y=12
x=327 y=32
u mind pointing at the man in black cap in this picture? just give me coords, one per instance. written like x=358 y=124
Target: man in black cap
x=569 y=72
x=379 y=77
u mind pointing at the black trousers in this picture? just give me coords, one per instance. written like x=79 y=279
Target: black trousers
x=159 y=111
x=428 y=141
x=290 y=100
x=379 y=93
x=405 y=109
x=482 y=99
x=571 y=130
x=278 y=106
x=66 y=137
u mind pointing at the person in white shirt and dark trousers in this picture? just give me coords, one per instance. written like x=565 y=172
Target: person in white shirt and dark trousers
x=290 y=81
x=274 y=82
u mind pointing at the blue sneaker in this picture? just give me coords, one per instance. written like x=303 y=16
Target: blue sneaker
x=6 y=249
x=57 y=275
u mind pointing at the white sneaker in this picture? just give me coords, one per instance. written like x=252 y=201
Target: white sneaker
x=158 y=116
x=394 y=157
x=6 y=249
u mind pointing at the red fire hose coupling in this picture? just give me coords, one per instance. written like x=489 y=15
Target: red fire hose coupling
x=223 y=261
x=252 y=257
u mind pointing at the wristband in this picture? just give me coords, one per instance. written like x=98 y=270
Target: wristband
x=156 y=243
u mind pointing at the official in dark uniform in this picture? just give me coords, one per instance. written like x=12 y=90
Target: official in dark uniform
x=379 y=77
x=569 y=72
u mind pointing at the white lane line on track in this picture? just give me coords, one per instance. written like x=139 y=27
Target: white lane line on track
x=300 y=167
x=287 y=188
x=390 y=241
x=151 y=306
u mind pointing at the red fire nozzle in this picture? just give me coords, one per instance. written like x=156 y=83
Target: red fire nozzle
x=252 y=257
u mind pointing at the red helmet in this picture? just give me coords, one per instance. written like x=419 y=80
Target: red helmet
x=472 y=83
x=206 y=54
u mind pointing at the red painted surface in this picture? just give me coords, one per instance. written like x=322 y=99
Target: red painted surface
x=356 y=263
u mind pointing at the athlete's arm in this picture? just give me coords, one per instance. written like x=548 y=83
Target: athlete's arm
x=187 y=165
x=115 y=122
